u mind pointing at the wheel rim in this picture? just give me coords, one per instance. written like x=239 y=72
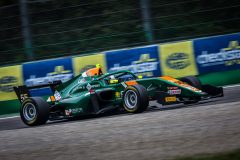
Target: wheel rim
x=130 y=99
x=29 y=112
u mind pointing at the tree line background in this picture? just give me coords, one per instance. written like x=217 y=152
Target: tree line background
x=62 y=28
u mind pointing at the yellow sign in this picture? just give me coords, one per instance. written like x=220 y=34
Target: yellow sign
x=81 y=64
x=177 y=59
x=9 y=77
x=170 y=99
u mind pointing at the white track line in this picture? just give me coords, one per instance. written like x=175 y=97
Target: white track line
x=9 y=117
x=230 y=86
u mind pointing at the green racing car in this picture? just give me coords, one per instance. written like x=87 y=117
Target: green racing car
x=93 y=93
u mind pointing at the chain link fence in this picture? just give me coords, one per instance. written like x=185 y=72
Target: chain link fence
x=63 y=28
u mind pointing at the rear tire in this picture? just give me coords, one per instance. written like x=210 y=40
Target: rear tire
x=135 y=99
x=34 y=111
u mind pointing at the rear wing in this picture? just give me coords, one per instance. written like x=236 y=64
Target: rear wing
x=22 y=92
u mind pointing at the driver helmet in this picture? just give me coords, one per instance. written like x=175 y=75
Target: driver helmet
x=97 y=71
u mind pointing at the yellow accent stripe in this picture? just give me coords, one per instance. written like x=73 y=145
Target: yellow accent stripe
x=169 y=78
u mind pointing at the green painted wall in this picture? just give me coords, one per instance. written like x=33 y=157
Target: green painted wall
x=11 y=106
x=7 y=107
x=221 y=78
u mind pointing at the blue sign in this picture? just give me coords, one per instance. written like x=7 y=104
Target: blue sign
x=45 y=72
x=220 y=53
x=141 y=61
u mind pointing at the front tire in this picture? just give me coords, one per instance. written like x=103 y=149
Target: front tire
x=135 y=99
x=193 y=81
x=34 y=111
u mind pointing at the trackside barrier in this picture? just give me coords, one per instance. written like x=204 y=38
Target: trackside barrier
x=215 y=60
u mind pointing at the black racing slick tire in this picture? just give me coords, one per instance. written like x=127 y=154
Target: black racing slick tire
x=193 y=81
x=135 y=99
x=34 y=111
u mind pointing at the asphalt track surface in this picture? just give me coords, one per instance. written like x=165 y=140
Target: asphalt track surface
x=159 y=133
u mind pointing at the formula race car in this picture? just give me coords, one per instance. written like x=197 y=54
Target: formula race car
x=93 y=92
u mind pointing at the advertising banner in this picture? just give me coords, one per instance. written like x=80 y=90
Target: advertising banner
x=47 y=71
x=141 y=61
x=219 y=53
x=9 y=77
x=177 y=59
x=81 y=64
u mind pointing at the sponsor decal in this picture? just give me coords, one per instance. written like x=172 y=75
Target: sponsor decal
x=59 y=73
x=174 y=91
x=93 y=86
x=170 y=88
x=76 y=110
x=219 y=53
x=45 y=72
x=124 y=85
x=226 y=56
x=69 y=112
x=57 y=96
x=190 y=87
x=180 y=83
x=81 y=87
x=145 y=65
x=96 y=85
x=9 y=77
x=81 y=81
x=141 y=61
x=178 y=61
x=170 y=99
x=89 y=86
x=7 y=83
x=185 y=85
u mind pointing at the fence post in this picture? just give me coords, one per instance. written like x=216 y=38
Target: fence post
x=26 y=30
x=146 y=18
